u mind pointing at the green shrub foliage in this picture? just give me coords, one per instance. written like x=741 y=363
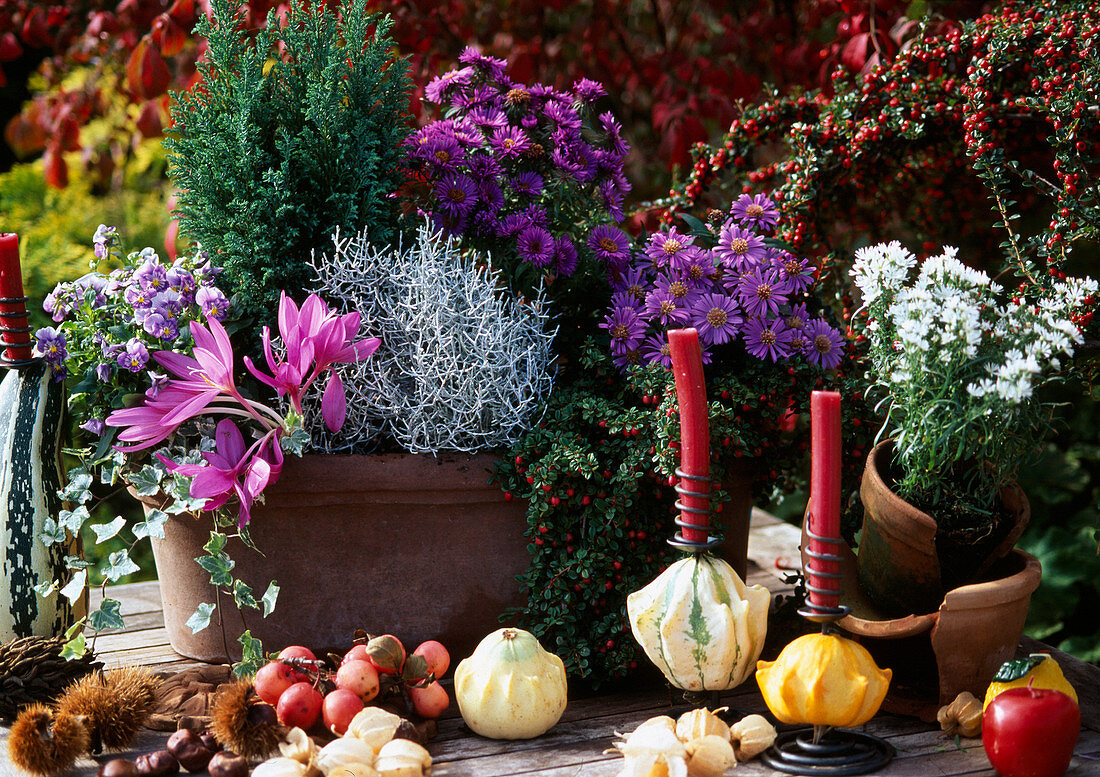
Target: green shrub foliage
x=288 y=136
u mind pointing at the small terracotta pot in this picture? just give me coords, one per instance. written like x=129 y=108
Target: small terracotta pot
x=899 y=562
x=421 y=547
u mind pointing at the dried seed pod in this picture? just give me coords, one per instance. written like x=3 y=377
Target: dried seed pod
x=244 y=724
x=709 y=756
x=33 y=670
x=375 y=726
x=700 y=723
x=46 y=743
x=751 y=736
x=402 y=758
x=115 y=705
x=297 y=746
x=963 y=716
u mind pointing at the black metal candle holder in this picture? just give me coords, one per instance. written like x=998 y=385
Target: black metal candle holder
x=714 y=539
x=822 y=750
x=6 y=330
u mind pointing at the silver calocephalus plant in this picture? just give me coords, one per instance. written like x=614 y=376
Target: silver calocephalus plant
x=463 y=365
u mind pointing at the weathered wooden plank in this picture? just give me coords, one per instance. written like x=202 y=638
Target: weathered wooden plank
x=135 y=597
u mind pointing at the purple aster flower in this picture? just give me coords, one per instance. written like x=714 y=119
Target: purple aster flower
x=565 y=256
x=468 y=134
x=512 y=224
x=666 y=308
x=798 y=344
x=614 y=132
x=440 y=87
x=663 y=247
x=826 y=344
x=491 y=196
x=738 y=247
x=213 y=302
x=680 y=290
x=625 y=327
x=755 y=212
x=157 y=381
x=94 y=425
x=797 y=318
x=694 y=265
x=588 y=90
x=610 y=244
x=717 y=318
x=509 y=141
x=50 y=344
x=483 y=166
x=612 y=197
x=633 y=282
x=628 y=358
x=529 y=121
x=104 y=370
x=442 y=152
x=536 y=245
x=563 y=116
x=796 y=272
x=489 y=67
x=655 y=350
x=568 y=162
x=135 y=357
x=488 y=118
x=767 y=338
x=457 y=195
x=761 y=293
x=624 y=299
x=536 y=214
x=527 y=183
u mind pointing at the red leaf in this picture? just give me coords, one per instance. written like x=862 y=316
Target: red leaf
x=148 y=121
x=183 y=13
x=169 y=36
x=36 y=31
x=102 y=24
x=9 y=47
x=24 y=135
x=856 y=51
x=57 y=171
x=146 y=71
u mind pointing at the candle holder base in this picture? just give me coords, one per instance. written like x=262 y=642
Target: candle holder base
x=8 y=333
x=838 y=752
x=713 y=538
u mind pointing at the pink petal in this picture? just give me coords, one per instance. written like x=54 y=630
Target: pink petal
x=191 y=408
x=223 y=348
x=288 y=321
x=313 y=313
x=256 y=477
x=257 y=374
x=334 y=404
x=351 y=322
x=176 y=363
x=229 y=440
x=212 y=482
x=216 y=502
x=365 y=348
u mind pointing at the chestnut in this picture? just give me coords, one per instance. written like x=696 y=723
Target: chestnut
x=118 y=767
x=262 y=714
x=210 y=741
x=188 y=749
x=158 y=764
x=226 y=763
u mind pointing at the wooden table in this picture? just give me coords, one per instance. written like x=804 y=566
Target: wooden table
x=575 y=747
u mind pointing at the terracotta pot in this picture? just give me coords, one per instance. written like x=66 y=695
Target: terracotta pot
x=899 y=563
x=957 y=647
x=421 y=547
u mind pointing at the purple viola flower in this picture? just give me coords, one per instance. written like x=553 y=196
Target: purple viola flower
x=152 y=275
x=213 y=302
x=59 y=302
x=94 y=426
x=663 y=247
x=489 y=67
x=757 y=212
x=610 y=244
x=826 y=344
x=625 y=327
x=536 y=245
x=655 y=350
x=90 y=288
x=183 y=283
x=665 y=307
x=50 y=344
x=737 y=247
x=796 y=273
x=104 y=370
x=134 y=357
x=565 y=256
x=510 y=141
x=457 y=195
x=527 y=183
x=588 y=90
x=440 y=87
x=717 y=318
x=761 y=293
x=137 y=296
x=103 y=239
x=767 y=338
x=157 y=381
x=156 y=325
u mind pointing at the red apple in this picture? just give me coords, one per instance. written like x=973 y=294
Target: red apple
x=357 y=653
x=439 y=660
x=430 y=701
x=272 y=679
x=339 y=707
x=1030 y=732
x=299 y=705
x=359 y=677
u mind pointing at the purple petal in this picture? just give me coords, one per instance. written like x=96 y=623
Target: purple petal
x=191 y=408
x=176 y=363
x=212 y=482
x=256 y=476
x=334 y=404
x=229 y=440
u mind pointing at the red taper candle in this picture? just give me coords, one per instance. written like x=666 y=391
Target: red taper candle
x=691 y=395
x=11 y=287
x=824 y=512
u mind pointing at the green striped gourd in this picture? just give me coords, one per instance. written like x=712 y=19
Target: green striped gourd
x=700 y=624
x=31 y=407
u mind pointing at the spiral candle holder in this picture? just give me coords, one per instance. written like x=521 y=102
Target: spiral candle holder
x=14 y=338
x=687 y=485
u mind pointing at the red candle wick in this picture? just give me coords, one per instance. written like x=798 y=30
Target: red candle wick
x=691 y=395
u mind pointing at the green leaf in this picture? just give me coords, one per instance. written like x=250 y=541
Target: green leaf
x=75 y=587
x=74 y=648
x=147 y=481
x=46 y=589
x=269 y=597
x=242 y=595
x=76 y=562
x=119 y=564
x=252 y=656
x=200 y=619
x=1018 y=667
x=108 y=616
x=52 y=533
x=77 y=489
x=104 y=531
x=73 y=520
x=216 y=543
x=152 y=526
x=219 y=568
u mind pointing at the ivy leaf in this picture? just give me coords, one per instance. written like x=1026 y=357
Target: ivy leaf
x=152 y=526
x=46 y=589
x=242 y=595
x=108 y=616
x=74 y=648
x=295 y=442
x=77 y=489
x=252 y=656
x=219 y=567
x=104 y=531
x=200 y=619
x=73 y=520
x=52 y=533
x=119 y=564
x=76 y=562
x=269 y=597
x=216 y=543
x=147 y=481
x=75 y=587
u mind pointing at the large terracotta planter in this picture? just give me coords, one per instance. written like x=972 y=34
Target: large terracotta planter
x=899 y=563
x=421 y=547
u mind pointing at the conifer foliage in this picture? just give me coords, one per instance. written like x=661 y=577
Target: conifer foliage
x=291 y=134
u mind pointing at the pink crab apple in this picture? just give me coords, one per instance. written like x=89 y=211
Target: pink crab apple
x=359 y=677
x=338 y=709
x=300 y=705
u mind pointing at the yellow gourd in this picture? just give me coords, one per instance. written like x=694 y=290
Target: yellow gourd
x=1038 y=670
x=700 y=624
x=823 y=680
x=510 y=688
